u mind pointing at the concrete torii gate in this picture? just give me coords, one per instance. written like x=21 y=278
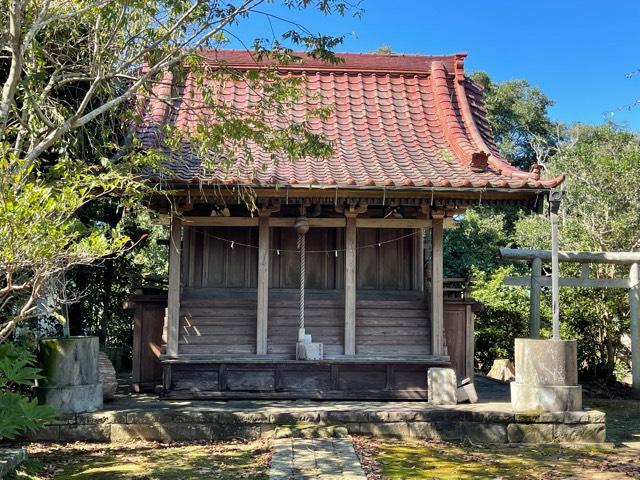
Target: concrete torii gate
x=536 y=281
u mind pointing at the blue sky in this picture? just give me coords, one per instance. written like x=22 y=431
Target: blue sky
x=578 y=52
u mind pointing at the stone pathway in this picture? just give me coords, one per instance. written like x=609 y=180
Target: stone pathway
x=315 y=458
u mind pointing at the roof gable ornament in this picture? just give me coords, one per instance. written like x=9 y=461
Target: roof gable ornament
x=479 y=162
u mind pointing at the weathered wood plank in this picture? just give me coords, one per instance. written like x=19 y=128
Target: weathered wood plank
x=350 y=286
x=393 y=223
x=313 y=222
x=263 y=286
x=437 y=273
x=173 y=300
x=221 y=221
x=190 y=349
x=217 y=340
x=208 y=330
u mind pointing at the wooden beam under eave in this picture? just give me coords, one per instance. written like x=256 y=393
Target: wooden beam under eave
x=173 y=300
x=437 y=296
x=221 y=221
x=393 y=223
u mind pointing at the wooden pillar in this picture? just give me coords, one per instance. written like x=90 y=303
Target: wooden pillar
x=350 y=285
x=534 y=298
x=418 y=251
x=437 y=273
x=263 y=285
x=173 y=300
x=634 y=305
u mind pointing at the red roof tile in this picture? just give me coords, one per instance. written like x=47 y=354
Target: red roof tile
x=397 y=121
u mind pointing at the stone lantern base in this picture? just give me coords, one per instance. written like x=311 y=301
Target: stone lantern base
x=546 y=376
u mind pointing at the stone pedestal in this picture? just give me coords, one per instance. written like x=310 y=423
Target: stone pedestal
x=546 y=377
x=442 y=386
x=72 y=378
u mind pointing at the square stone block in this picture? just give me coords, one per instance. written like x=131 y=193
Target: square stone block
x=435 y=430
x=85 y=433
x=484 y=432
x=536 y=399
x=530 y=433
x=442 y=386
x=580 y=432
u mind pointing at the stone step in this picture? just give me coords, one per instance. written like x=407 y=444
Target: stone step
x=311 y=431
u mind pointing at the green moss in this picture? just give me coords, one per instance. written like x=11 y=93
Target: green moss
x=448 y=461
x=149 y=461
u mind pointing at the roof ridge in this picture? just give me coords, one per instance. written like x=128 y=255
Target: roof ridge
x=469 y=155
x=400 y=63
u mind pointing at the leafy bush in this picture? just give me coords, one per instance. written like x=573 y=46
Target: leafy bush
x=19 y=413
x=505 y=316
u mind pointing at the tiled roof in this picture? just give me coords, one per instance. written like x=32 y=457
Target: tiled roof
x=397 y=121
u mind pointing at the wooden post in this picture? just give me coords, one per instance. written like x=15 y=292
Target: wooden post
x=634 y=305
x=437 y=272
x=263 y=286
x=173 y=300
x=534 y=297
x=418 y=251
x=350 y=285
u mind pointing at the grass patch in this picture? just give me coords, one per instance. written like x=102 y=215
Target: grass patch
x=421 y=460
x=147 y=461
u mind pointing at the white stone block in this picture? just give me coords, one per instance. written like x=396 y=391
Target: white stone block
x=467 y=393
x=309 y=351
x=442 y=386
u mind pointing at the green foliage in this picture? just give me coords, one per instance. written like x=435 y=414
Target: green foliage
x=474 y=243
x=601 y=210
x=101 y=291
x=76 y=78
x=18 y=412
x=504 y=318
x=519 y=117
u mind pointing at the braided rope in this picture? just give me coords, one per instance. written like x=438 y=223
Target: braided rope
x=301 y=247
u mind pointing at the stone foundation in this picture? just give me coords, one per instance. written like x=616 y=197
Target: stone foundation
x=218 y=421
